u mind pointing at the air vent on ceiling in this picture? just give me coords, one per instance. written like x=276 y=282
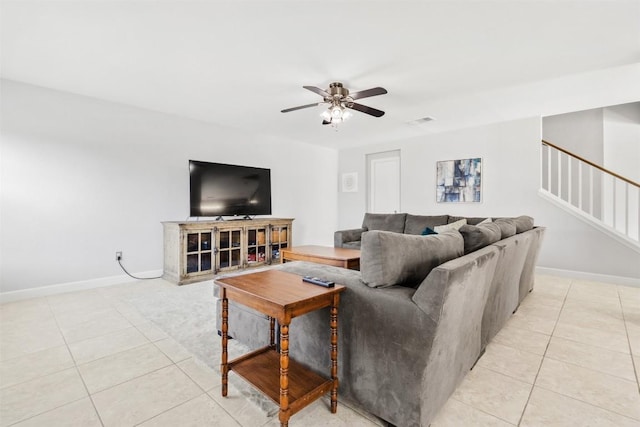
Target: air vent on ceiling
x=421 y=121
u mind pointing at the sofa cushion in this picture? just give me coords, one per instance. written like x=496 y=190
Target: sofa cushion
x=470 y=220
x=388 y=259
x=385 y=222
x=451 y=226
x=523 y=223
x=478 y=236
x=351 y=245
x=415 y=224
x=507 y=227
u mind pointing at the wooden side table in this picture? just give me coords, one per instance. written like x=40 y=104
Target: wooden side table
x=281 y=296
x=339 y=257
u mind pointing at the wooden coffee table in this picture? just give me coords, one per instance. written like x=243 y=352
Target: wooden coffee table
x=281 y=296
x=339 y=257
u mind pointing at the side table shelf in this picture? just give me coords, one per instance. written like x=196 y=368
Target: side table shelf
x=262 y=369
x=281 y=296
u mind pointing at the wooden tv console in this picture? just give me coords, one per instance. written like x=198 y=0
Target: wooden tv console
x=198 y=250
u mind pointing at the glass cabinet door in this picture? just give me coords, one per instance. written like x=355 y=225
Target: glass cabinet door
x=229 y=248
x=256 y=245
x=199 y=252
x=279 y=240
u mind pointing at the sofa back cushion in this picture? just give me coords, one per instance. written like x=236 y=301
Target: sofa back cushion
x=507 y=227
x=384 y=222
x=478 y=236
x=470 y=220
x=416 y=224
x=388 y=259
x=523 y=223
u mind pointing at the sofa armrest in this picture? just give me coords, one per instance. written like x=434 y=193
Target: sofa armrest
x=341 y=237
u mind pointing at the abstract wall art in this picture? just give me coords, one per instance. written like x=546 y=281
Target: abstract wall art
x=459 y=181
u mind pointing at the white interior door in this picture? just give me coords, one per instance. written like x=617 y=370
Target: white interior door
x=383 y=182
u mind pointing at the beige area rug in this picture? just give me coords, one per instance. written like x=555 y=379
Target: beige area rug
x=188 y=315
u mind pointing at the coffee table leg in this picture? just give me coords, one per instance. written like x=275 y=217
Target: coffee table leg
x=224 y=367
x=284 y=375
x=334 y=353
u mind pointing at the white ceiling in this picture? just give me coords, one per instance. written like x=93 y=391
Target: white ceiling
x=238 y=63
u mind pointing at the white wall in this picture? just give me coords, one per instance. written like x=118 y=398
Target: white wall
x=608 y=136
x=82 y=178
x=511 y=161
x=580 y=132
x=621 y=127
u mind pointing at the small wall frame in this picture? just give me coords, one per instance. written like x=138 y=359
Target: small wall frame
x=350 y=182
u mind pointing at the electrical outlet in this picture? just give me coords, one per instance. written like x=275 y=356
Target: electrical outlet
x=118 y=256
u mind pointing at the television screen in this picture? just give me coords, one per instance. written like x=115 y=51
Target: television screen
x=218 y=189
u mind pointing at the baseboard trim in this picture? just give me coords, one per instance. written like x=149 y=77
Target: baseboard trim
x=593 y=277
x=81 y=285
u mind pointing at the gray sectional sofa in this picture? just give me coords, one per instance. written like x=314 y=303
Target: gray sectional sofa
x=397 y=223
x=417 y=316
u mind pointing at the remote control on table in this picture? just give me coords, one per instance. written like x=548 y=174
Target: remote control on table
x=319 y=282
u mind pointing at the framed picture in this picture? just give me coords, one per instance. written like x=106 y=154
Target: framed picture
x=350 y=182
x=459 y=181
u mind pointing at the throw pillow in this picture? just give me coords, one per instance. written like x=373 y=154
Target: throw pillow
x=451 y=226
x=484 y=221
x=415 y=224
x=388 y=259
x=478 y=236
x=427 y=231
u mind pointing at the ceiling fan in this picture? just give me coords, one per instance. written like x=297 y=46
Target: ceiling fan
x=340 y=101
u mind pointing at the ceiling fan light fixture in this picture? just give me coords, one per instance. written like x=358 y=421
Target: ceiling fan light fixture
x=337 y=112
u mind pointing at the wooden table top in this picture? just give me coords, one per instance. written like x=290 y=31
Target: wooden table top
x=328 y=252
x=277 y=291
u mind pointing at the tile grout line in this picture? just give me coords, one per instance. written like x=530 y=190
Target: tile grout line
x=588 y=403
x=544 y=355
x=574 y=398
x=176 y=364
x=483 y=411
x=75 y=364
x=45 y=412
x=626 y=330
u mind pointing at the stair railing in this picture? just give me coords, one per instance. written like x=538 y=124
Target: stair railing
x=595 y=192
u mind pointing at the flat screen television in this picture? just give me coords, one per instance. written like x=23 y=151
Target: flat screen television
x=218 y=189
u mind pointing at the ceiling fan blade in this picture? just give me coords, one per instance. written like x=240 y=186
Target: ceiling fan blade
x=317 y=90
x=367 y=93
x=364 y=109
x=300 y=107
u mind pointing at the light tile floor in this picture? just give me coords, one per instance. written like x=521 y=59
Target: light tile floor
x=569 y=356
